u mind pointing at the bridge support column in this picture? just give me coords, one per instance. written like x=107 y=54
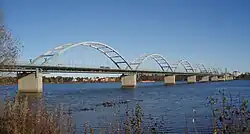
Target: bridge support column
x=169 y=80
x=128 y=81
x=222 y=78
x=226 y=77
x=30 y=82
x=214 y=78
x=230 y=78
x=205 y=79
x=191 y=79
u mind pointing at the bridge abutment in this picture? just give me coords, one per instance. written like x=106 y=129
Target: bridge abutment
x=204 y=79
x=31 y=82
x=191 y=79
x=128 y=81
x=169 y=80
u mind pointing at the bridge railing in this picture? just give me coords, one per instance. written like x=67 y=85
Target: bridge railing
x=22 y=62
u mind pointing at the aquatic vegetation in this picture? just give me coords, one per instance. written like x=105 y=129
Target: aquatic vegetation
x=112 y=103
x=229 y=116
x=87 y=109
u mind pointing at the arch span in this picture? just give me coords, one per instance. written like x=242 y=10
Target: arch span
x=187 y=66
x=160 y=60
x=220 y=70
x=215 y=70
x=202 y=68
x=108 y=51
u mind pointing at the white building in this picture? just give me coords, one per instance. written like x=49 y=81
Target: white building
x=236 y=73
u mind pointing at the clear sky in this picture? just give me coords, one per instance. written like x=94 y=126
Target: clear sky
x=213 y=32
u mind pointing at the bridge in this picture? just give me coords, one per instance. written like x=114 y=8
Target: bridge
x=30 y=75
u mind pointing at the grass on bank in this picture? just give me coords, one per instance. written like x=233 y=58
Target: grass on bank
x=23 y=118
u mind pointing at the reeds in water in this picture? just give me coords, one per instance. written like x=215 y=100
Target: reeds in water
x=20 y=117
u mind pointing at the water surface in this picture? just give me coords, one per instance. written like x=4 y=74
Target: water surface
x=174 y=105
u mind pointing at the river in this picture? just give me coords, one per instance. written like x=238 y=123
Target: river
x=173 y=105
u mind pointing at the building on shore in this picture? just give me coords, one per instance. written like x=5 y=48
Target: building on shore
x=236 y=73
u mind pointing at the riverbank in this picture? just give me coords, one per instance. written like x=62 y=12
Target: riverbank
x=8 y=81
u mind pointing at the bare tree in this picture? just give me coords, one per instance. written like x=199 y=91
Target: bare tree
x=9 y=51
x=9 y=47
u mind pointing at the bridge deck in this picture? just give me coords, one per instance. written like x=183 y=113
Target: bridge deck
x=63 y=69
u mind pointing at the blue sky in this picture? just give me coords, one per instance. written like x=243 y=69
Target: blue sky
x=213 y=32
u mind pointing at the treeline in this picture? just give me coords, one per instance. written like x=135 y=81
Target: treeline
x=8 y=80
x=245 y=76
x=159 y=78
x=60 y=79
x=57 y=79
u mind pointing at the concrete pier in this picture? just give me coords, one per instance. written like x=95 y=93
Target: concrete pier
x=214 y=78
x=221 y=79
x=230 y=78
x=31 y=82
x=191 y=79
x=204 y=79
x=128 y=81
x=169 y=80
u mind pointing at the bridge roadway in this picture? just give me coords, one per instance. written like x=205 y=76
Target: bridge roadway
x=64 y=69
x=30 y=76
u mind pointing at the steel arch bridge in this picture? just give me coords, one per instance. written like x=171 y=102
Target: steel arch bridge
x=186 y=65
x=118 y=59
x=159 y=59
x=108 y=51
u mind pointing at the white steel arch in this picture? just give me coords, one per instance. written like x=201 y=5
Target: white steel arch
x=215 y=70
x=202 y=68
x=220 y=70
x=160 y=60
x=187 y=66
x=108 y=51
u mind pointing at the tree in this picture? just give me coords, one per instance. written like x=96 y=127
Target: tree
x=9 y=47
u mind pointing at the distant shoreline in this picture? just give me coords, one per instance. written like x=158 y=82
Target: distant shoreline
x=10 y=84
x=10 y=81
